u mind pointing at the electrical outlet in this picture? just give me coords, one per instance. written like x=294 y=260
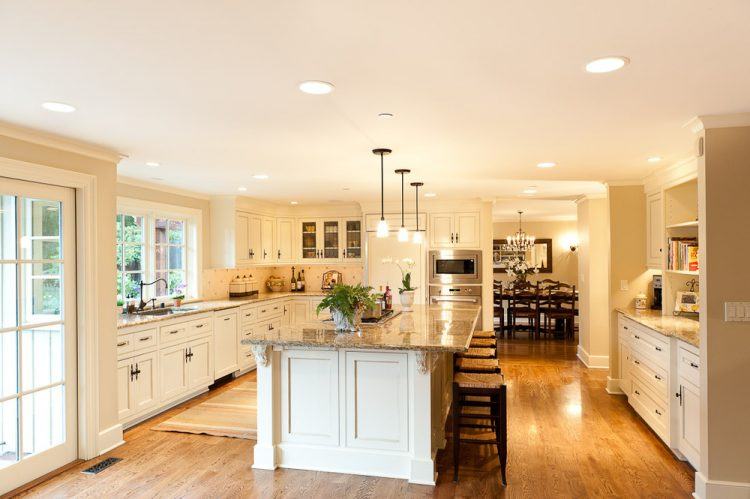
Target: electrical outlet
x=623 y=285
x=736 y=311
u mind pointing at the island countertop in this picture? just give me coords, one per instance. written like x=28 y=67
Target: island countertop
x=434 y=328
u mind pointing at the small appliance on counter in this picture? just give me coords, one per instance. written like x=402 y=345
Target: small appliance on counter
x=330 y=279
x=640 y=301
x=275 y=284
x=242 y=286
x=656 y=286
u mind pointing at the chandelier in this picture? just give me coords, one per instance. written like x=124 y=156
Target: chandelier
x=520 y=241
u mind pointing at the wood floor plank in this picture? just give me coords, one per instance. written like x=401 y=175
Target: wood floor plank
x=567 y=438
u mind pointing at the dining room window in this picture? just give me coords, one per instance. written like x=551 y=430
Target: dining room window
x=155 y=242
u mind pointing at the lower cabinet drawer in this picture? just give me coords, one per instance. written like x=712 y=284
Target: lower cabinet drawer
x=171 y=334
x=268 y=310
x=143 y=340
x=199 y=326
x=649 y=374
x=652 y=411
x=246 y=358
x=688 y=366
x=124 y=345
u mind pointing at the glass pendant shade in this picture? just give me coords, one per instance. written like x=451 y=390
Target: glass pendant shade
x=417 y=238
x=403 y=235
x=382 y=229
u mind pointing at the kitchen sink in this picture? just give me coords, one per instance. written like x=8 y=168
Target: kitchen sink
x=166 y=311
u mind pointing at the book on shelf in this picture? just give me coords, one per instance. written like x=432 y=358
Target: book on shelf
x=682 y=254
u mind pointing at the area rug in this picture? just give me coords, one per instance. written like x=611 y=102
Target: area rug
x=232 y=413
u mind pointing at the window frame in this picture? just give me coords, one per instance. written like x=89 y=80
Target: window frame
x=192 y=254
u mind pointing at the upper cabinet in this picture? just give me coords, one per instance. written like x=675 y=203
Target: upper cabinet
x=285 y=240
x=352 y=239
x=248 y=234
x=654 y=230
x=454 y=230
x=330 y=239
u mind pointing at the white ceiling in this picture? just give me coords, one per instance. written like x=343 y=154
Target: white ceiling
x=538 y=210
x=481 y=91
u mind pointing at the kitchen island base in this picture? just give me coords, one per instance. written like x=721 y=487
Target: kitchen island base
x=357 y=411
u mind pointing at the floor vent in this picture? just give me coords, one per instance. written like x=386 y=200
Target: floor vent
x=101 y=466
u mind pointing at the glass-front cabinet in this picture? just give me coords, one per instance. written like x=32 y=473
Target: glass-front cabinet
x=327 y=240
x=309 y=230
x=331 y=236
x=352 y=239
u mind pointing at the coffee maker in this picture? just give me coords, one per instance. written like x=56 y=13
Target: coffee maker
x=656 y=286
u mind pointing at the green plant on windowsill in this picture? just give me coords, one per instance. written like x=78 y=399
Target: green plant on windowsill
x=347 y=303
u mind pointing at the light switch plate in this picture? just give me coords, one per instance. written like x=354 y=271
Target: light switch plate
x=737 y=311
x=623 y=285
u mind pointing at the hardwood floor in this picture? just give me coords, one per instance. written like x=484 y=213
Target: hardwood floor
x=567 y=438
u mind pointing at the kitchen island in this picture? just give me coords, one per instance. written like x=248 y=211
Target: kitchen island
x=372 y=402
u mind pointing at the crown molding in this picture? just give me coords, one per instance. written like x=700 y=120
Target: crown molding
x=58 y=142
x=135 y=182
x=704 y=122
x=623 y=183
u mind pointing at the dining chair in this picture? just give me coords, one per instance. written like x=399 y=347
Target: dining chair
x=524 y=304
x=560 y=304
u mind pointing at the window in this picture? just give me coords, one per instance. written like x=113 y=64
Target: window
x=156 y=242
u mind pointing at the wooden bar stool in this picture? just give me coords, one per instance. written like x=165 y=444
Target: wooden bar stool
x=468 y=365
x=466 y=387
x=484 y=334
x=483 y=343
x=478 y=353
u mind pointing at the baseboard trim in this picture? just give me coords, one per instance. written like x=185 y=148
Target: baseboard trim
x=613 y=386
x=592 y=361
x=717 y=489
x=109 y=439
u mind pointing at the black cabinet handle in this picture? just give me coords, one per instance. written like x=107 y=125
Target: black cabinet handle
x=637 y=392
x=265 y=254
x=637 y=337
x=658 y=349
x=251 y=253
x=625 y=328
x=693 y=364
x=657 y=412
x=132 y=372
x=199 y=326
x=457 y=236
x=227 y=318
x=122 y=343
x=451 y=236
x=279 y=253
x=145 y=338
x=657 y=377
x=637 y=362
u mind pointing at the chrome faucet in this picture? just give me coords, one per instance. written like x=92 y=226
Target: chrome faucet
x=142 y=303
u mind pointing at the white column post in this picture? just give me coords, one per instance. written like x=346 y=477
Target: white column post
x=264 y=452
x=421 y=365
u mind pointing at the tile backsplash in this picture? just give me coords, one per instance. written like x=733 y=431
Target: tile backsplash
x=215 y=285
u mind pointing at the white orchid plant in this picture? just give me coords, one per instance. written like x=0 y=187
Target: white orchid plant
x=404 y=265
x=517 y=268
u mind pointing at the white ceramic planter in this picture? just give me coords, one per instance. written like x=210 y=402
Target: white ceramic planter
x=407 y=300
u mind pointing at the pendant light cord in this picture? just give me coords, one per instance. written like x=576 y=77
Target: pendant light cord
x=402 y=199
x=382 y=187
x=416 y=189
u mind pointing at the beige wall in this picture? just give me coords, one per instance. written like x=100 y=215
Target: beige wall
x=564 y=261
x=627 y=256
x=106 y=174
x=593 y=279
x=157 y=196
x=724 y=211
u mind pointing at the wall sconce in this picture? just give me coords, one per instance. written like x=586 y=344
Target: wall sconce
x=571 y=240
x=573 y=246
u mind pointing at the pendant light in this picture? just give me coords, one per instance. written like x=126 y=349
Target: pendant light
x=417 y=238
x=520 y=241
x=403 y=234
x=382 y=225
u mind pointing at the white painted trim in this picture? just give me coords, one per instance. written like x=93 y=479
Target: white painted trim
x=623 y=183
x=135 y=182
x=58 y=142
x=592 y=361
x=717 y=489
x=110 y=439
x=700 y=123
x=86 y=290
x=613 y=386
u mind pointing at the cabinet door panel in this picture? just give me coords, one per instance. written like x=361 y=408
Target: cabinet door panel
x=124 y=392
x=200 y=364
x=690 y=423
x=654 y=230
x=309 y=235
x=284 y=239
x=225 y=344
x=242 y=238
x=300 y=311
x=254 y=238
x=268 y=231
x=145 y=388
x=467 y=229
x=172 y=372
x=331 y=239
x=352 y=239
x=441 y=230
x=286 y=319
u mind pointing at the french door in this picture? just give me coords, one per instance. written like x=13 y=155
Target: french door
x=38 y=416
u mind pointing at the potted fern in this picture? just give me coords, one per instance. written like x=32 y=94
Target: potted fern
x=347 y=303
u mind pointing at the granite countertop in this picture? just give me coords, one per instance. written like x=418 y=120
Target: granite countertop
x=436 y=328
x=682 y=328
x=199 y=307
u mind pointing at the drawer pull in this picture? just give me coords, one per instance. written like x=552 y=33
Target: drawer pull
x=637 y=362
x=658 y=349
x=145 y=338
x=225 y=318
x=625 y=328
x=657 y=412
x=174 y=331
x=199 y=326
x=637 y=392
x=637 y=337
x=263 y=311
x=250 y=314
x=657 y=377
x=122 y=343
x=693 y=364
x=249 y=354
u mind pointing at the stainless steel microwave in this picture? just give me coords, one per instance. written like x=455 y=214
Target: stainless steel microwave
x=455 y=267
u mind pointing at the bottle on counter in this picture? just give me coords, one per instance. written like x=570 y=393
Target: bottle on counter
x=299 y=281
x=303 y=281
x=293 y=285
x=388 y=298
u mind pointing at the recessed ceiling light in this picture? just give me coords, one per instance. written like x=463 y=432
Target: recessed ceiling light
x=429 y=194
x=607 y=64
x=315 y=87
x=546 y=164
x=386 y=116
x=157 y=178
x=58 y=107
x=152 y=163
x=530 y=190
x=295 y=203
x=242 y=188
x=260 y=176
x=654 y=159
x=345 y=188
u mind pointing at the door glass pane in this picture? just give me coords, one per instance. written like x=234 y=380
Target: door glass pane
x=8 y=365
x=353 y=239
x=309 y=242
x=175 y=257
x=8 y=240
x=8 y=309
x=8 y=432
x=331 y=239
x=132 y=285
x=43 y=419
x=161 y=288
x=176 y=281
x=132 y=231
x=161 y=231
x=41 y=292
x=133 y=256
x=41 y=229
x=43 y=355
x=176 y=232
x=161 y=257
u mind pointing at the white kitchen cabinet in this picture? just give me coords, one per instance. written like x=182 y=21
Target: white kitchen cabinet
x=285 y=240
x=286 y=319
x=324 y=314
x=688 y=403
x=300 y=310
x=351 y=240
x=136 y=385
x=455 y=230
x=267 y=235
x=248 y=238
x=125 y=405
x=200 y=366
x=173 y=380
x=330 y=239
x=226 y=342
x=624 y=361
x=654 y=230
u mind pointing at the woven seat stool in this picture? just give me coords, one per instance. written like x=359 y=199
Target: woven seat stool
x=478 y=353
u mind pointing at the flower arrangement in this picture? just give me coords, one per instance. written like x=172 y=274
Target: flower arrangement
x=179 y=294
x=346 y=304
x=518 y=269
x=404 y=265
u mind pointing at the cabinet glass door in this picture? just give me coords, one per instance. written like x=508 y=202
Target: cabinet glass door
x=309 y=240
x=353 y=239
x=331 y=239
